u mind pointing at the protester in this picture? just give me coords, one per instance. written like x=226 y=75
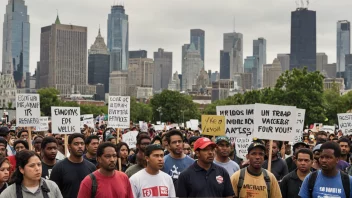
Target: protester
x=4 y=173
x=254 y=181
x=49 y=152
x=176 y=161
x=123 y=151
x=291 y=183
x=5 y=133
x=92 y=143
x=23 y=135
x=69 y=173
x=142 y=136
x=102 y=182
x=321 y=137
x=291 y=165
x=186 y=148
x=156 y=140
x=151 y=182
x=278 y=165
x=344 y=162
x=37 y=142
x=142 y=142
x=222 y=157
x=316 y=156
x=19 y=145
x=26 y=180
x=327 y=182
x=204 y=178
x=3 y=146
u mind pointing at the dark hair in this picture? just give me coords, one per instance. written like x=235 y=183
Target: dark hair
x=20 y=133
x=321 y=133
x=156 y=138
x=22 y=159
x=304 y=151
x=344 y=139
x=38 y=136
x=75 y=135
x=4 y=159
x=119 y=145
x=152 y=147
x=90 y=138
x=172 y=133
x=332 y=145
x=141 y=137
x=47 y=140
x=25 y=143
x=101 y=147
x=3 y=141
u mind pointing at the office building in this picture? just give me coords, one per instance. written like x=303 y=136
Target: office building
x=16 y=41
x=231 y=57
x=221 y=89
x=140 y=72
x=284 y=61
x=175 y=84
x=118 y=38
x=343 y=45
x=259 y=51
x=63 y=59
x=272 y=73
x=99 y=63
x=138 y=54
x=191 y=67
x=330 y=70
x=118 y=83
x=251 y=66
x=348 y=71
x=322 y=60
x=303 y=39
x=333 y=83
x=162 y=70
x=198 y=38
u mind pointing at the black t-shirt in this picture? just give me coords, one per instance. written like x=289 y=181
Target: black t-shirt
x=46 y=170
x=68 y=176
x=93 y=161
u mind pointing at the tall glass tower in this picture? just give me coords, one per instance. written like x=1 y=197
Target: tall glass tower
x=16 y=29
x=118 y=38
x=343 y=45
x=197 y=38
x=259 y=51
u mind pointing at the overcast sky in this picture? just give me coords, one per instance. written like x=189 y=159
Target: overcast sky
x=166 y=23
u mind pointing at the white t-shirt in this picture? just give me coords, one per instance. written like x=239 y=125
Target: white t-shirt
x=146 y=185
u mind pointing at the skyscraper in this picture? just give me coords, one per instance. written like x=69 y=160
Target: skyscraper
x=192 y=64
x=63 y=59
x=322 y=60
x=118 y=38
x=259 y=51
x=99 y=63
x=272 y=73
x=162 y=70
x=343 y=45
x=16 y=35
x=285 y=61
x=348 y=71
x=231 y=57
x=197 y=38
x=251 y=66
x=138 y=54
x=303 y=39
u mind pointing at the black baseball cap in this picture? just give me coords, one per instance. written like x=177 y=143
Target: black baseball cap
x=300 y=143
x=255 y=145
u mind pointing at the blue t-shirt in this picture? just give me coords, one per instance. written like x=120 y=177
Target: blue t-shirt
x=325 y=187
x=174 y=167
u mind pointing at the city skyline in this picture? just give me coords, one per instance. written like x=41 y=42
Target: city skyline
x=153 y=30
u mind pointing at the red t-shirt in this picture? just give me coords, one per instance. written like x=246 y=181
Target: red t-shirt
x=117 y=185
x=12 y=160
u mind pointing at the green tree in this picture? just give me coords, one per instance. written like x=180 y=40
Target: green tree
x=9 y=105
x=48 y=98
x=140 y=111
x=174 y=106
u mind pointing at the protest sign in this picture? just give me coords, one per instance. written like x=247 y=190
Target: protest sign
x=65 y=120
x=44 y=124
x=188 y=124
x=345 y=123
x=87 y=119
x=159 y=127
x=299 y=126
x=239 y=120
x=143 y=126
x=130 y=139
x=328 y=128
x=242 y=145
x=274 y=122
x=119 y=111
x=194 y=124
x=213 y=125
x=27 y=110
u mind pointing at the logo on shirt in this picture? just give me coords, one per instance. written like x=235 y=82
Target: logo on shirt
x=174 y=172
x=219 y=179
x=155 y=191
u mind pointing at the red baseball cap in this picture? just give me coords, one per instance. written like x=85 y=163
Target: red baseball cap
x=203 y=142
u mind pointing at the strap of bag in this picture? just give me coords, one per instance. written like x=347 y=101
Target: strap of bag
x=267 y=181
x=311 y=182
x=94 y=185
x=240 y=181
x=19 y=191
x=346 y=183
x=45 y=190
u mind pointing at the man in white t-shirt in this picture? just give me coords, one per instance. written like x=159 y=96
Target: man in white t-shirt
x=151 y=182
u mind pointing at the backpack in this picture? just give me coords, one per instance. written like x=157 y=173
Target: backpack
x=344 y=178
x=241 y=180
x=94 y=185
x=44 y=188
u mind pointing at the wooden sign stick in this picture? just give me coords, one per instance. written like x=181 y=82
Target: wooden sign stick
x=29 y=129
x=66 y=145
x=270 y=155
x=117 y=141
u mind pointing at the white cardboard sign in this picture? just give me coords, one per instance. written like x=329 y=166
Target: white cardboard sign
x=299 y=126
x=242 y=145
x=27 y=110
x=274 y=122
x=194 y=124
x=119 y=112
x=87 y=119
x=44 y=124
x=130 y=139
x=345 y=123
x=65 y=120
x=239 y=120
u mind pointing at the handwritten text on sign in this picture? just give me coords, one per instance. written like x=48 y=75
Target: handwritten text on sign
x=299 y=126
x=345 y=123
x=44 y=124
x=213 y=125
x=239 y=119
x=130 y=138
x=119 y=111
x=274 y=122
x=27 y=110
x=242 y=145
x=65 y=120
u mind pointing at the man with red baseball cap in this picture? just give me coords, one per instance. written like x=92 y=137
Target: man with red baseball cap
x=204 y=178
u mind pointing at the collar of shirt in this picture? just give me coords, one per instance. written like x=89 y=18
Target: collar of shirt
x=36 y=192
x=198 y=168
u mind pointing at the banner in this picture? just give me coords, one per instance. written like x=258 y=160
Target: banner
x=87 y=119
x=27 y=110
x=299 y=126
x=213 y=125
x=130 y=139
x=345 y=123
x=65 y=120
x=242 y=145
x=238 y=120
x=119 y=112
x=274 y=122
